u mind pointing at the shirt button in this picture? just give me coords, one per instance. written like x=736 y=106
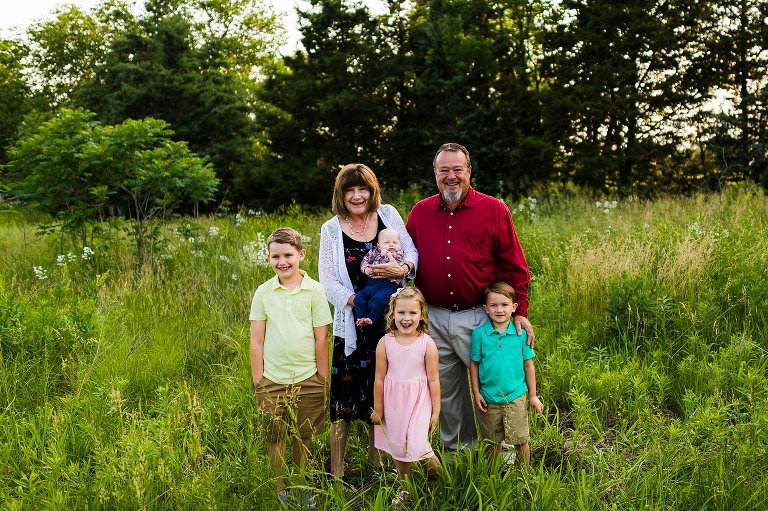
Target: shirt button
x=450 y=227
x=451 y=213
x=449 y=241
x=449 y=274
x=448 y=257
x=451 y=293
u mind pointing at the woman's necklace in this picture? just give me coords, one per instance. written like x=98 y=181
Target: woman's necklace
x=352 y=227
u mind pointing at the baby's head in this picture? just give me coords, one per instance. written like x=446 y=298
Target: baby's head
x=389 y=240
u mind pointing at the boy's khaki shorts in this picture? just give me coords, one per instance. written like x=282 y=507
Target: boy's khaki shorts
x=296 y=407
x=508 y=423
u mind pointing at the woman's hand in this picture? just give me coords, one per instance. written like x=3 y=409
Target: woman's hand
x=389 y=270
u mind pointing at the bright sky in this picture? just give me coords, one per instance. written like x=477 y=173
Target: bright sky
x=21 y=13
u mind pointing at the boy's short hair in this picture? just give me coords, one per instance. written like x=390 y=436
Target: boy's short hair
x=502 y=288
x=285 y=235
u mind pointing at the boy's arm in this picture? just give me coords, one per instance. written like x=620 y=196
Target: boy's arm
x=433 y=379
x=258 y=329
x=530 y=382
x=474 y=375
x=378 y=383
x=321 y=350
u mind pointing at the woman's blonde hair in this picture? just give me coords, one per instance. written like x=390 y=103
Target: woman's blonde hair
x=355 y=174
x=408 y=292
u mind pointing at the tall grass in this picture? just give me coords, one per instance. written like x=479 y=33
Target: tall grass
x=129 y=388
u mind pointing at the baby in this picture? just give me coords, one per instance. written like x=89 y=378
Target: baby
x=370 y=302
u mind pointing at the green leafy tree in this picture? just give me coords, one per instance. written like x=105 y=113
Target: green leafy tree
x=190 y=63
x=72 y=167
x=15 y=93
x=325 y=109
x=53 y=169
x=735 y=40
x=620 y=78
x=66 y=48
x=474 y=79
x=153 y=173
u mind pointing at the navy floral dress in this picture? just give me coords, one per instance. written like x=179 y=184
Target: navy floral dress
x=352 y=376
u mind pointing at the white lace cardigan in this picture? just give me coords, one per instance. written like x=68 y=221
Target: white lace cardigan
x=334 y=277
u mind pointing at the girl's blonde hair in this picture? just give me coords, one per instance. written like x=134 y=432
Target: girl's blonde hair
x=408 y=292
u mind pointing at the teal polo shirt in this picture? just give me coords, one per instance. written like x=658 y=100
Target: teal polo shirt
x=500 y=357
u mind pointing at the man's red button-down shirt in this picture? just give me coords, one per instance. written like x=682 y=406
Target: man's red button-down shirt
x=464 y=250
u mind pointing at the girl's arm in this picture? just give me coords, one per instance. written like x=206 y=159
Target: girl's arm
x=378 y=383
x=474 y=375
x=433 y=379
x=321 y=350
x=258 y=329
x=530 y=382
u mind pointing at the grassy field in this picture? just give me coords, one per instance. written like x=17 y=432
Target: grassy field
x=125 y=388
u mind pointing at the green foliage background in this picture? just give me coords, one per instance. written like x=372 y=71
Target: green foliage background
x=620 y=97
x=125 y=388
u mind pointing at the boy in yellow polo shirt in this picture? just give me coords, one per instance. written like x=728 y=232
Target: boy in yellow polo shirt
x=289 y=352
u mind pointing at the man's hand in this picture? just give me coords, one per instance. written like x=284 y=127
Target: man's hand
x=522 y=323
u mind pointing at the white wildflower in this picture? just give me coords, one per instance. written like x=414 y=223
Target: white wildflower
x=213 y=231
x=239 y=219
x=234 y=277
x=40 y=272
x=87 y=253
x=606 y=211
x=61 y=260
x=598 y=204
x=224 y=258
x=305 y=239
x=257 y=251
x=696 y=229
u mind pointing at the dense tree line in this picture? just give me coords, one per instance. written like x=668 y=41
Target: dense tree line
x=619 y=96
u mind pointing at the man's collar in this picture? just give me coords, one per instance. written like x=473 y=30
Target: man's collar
x=469 y=201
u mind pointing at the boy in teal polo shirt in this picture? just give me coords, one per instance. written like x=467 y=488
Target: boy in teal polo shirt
x=289 y=352
x=501 y=370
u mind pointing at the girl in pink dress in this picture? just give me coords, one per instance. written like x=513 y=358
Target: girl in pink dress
x=406 y=391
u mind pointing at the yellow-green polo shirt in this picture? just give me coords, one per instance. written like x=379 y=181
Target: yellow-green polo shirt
x=289 y=342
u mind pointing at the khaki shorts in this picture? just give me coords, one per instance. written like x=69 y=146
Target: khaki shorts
x=508 y=423
x=296 y=407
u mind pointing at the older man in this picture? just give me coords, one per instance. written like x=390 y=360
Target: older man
x=466 y=240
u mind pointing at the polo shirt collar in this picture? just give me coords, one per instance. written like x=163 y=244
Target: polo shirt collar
x=489 y=330
x=470 y=200
x=306 y=283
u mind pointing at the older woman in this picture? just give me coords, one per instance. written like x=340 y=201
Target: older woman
x=344 y=241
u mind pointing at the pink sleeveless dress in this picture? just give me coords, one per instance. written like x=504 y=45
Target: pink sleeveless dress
x=407 y=402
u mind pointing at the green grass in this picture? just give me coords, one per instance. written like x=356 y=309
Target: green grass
x=129 y=388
